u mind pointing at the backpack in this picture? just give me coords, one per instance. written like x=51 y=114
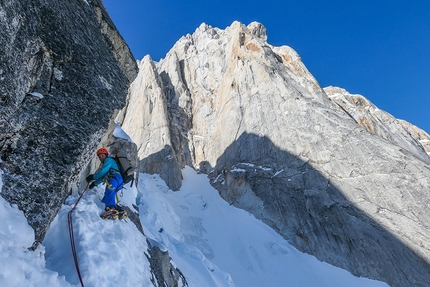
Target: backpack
x=125 y=168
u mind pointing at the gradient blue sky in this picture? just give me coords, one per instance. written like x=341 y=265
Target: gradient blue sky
x=379 y=49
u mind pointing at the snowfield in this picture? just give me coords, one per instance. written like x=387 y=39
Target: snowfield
x=212 y=243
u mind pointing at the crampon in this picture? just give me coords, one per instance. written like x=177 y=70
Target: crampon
x=111 y=213
x=114 y=213
x=122 y=213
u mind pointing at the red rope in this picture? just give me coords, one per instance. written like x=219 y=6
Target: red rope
x=72 y=237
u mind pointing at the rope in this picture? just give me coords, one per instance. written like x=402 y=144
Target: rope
x=117 y=198
x=72 y=237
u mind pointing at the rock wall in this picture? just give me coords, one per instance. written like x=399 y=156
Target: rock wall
x=418 y=134
x=254 y=119
x=64 y=70
x=147 y=118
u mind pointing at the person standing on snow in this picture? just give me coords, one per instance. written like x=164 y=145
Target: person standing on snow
x=108 y=173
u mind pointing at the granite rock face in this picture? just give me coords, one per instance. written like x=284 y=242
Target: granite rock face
x=64 y=70
x=381 y=123
x=418 y=134
x=352 y=192
x=147 y=118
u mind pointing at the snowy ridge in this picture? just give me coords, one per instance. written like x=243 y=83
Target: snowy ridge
x=211 y=242
x=107 y=251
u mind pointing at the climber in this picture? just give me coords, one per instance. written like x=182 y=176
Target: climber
x=109 y=174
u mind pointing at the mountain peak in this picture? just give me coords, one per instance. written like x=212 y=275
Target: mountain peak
x=314 y=164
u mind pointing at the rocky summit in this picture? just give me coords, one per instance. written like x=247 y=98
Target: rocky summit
x=328 y=171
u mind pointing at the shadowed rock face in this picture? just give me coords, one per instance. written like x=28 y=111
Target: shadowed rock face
x=64 y=70
x=313 y=211
x=255 y=120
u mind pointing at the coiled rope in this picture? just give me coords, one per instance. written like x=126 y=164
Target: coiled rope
x=72 y=237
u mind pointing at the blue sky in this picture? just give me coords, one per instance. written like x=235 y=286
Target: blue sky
x=380 y=49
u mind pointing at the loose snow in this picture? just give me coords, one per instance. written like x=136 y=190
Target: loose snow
x=37 y=95
x=120 y=133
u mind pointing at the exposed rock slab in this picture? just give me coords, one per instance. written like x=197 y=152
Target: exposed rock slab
x=381 y=123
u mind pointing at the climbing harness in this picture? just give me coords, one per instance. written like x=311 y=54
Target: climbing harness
x=72 y=237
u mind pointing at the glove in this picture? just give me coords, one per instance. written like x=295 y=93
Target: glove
x=92 y=185
x=90 y=178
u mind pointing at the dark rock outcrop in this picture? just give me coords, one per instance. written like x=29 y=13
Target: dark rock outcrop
x=64 y=70
x=164 y=273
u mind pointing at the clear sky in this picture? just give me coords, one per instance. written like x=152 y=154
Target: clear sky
x=379 y=49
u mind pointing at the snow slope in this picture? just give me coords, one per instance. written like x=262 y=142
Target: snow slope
x=211 y=242
x=226 y=245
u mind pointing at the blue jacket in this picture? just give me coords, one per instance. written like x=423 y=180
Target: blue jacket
x=109 y=167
